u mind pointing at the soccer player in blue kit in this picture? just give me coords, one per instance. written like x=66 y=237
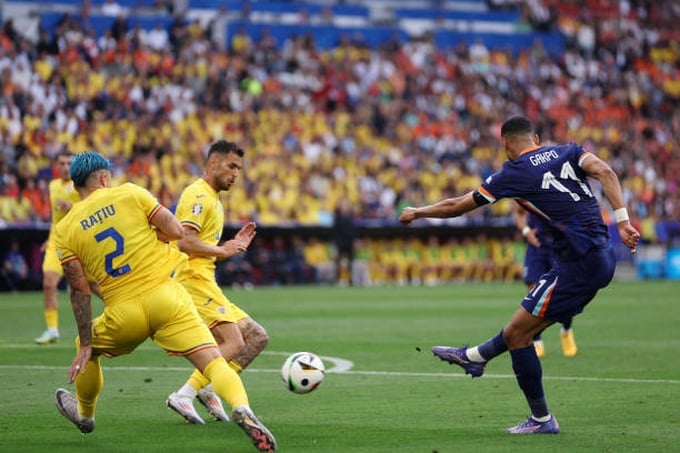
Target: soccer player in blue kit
x=538 y=260
x=549 y=181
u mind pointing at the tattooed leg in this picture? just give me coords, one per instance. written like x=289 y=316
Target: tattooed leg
x=255 y=338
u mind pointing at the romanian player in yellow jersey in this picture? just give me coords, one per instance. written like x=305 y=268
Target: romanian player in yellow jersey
x=113 y=242
x=239 y=337
x=62 y=197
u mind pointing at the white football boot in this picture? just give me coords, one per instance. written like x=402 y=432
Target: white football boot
x=184 y=406
x=208 y=398
x=68 y=407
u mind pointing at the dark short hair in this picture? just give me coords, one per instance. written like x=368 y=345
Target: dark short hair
x=63 y=153
x=84 y=164
x=225 y=147
x=517 y=125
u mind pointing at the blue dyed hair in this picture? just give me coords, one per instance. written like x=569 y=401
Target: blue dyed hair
x=84 y=164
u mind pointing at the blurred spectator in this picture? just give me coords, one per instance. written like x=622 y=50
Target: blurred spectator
x=319 y=255
x=38 y=197
x=15 y=272
x=158 y=38
x=361 y=267
x=111 y=8
x=344 y=235
x=380 y=127
x=236 y=272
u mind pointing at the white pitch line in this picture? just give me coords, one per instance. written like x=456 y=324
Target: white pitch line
x=369 y=373
x=339 y=366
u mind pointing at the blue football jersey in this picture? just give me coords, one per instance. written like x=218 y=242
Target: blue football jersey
x=543 y=233
x=549 y=182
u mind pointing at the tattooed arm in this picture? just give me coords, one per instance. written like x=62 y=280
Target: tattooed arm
x=82 y=310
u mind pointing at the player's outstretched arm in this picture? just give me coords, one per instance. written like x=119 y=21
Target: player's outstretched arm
x=193 y=245
x=449 y=207
x=611 y=188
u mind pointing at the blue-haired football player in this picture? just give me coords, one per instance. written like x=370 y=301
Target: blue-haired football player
x=111 y=241
x=550 y=181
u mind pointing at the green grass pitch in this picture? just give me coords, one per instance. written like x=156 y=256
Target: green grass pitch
x=384 y=391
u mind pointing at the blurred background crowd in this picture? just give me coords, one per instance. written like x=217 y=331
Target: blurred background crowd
x=404 y=121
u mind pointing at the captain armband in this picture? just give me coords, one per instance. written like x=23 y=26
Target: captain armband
x=480 y=200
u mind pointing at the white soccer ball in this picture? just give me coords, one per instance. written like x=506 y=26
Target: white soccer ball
x=302 y=372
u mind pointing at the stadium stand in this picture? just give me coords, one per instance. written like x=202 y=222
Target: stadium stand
x=360 y=107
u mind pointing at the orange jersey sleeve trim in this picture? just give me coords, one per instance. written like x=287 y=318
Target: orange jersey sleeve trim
x=190 y=224
x=486 y=194
x=69 y=259
x=154 y=211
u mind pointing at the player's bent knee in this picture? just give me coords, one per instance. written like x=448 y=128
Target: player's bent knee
x=230 y=349
x=260 y=338
x=516 y=337
x=201 y=358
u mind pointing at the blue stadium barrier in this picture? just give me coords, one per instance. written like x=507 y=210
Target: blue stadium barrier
x=284 y=8
x=149 y=22
x=325 y=37
x=279 y=7
x=231 y=5
x=673 y=263
x=350 y=10
x=130 y=3
x=439 y=13
x=432 y=3
x=552 y=42
x=54 y=4
x=100 y=23
x=650 y=261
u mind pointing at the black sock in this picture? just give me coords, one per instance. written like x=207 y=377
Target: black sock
x=529 y=376
x=493 y=347
x=567 y=325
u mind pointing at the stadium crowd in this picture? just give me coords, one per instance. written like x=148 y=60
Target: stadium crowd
x=401 y=124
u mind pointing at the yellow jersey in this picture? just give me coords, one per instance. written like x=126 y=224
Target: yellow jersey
x=109 y=232
x=200 y=208
x=61 y=192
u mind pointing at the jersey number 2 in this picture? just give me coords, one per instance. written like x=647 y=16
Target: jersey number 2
x=108 y=259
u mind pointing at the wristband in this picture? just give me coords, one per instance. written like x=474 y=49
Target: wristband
x=525 y=230
x=621 y=215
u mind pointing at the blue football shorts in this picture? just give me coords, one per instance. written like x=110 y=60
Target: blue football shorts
x=565 y=290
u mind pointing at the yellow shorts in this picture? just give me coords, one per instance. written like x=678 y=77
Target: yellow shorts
x=165 y=314
x=51 y=262
x=211 y=303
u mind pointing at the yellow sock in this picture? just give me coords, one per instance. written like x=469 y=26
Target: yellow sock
x=52 y=319
x=226 y=382
x=235 y=366
x=88 y=386
x=197 y=380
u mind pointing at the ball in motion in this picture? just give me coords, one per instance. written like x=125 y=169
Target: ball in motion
x=302 y=372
